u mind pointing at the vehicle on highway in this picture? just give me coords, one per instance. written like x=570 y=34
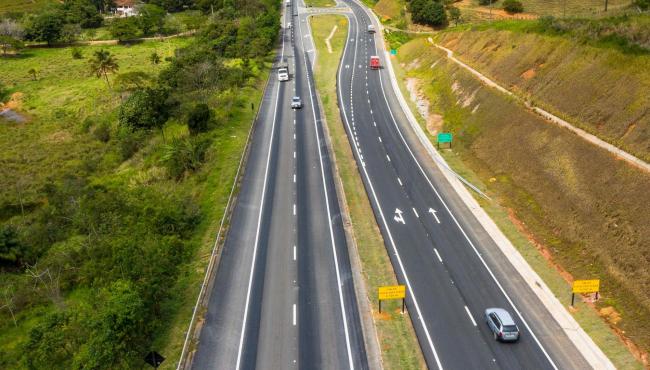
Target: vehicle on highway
x=374 y=62
x=289 y=25
x=296 y=103
x=283 y=72
x=288 y=2
x=371 y=28
x=502 y=325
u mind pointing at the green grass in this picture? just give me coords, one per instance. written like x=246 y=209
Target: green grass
x=542 y=181
x=7 y=6
x=398 y=343
x=61 y=97
x=320 y=3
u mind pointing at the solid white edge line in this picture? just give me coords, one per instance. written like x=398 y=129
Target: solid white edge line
x=539 y=344
x=259 y=220
x=294 y=252
x=381 y=213
x=329 y=215
x=470 y=315
x=294 y=315
x=438 y=254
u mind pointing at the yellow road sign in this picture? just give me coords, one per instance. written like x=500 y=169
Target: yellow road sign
x=586 y=286
x=392 y=292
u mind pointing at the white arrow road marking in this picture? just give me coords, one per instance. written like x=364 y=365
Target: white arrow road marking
x=398 y=216
x=433 y=212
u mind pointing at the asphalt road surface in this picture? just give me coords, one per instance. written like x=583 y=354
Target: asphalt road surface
x=283 y=295
x=452 y=268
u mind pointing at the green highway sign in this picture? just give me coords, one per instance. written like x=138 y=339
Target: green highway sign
x=393 y=51
x=444 y=137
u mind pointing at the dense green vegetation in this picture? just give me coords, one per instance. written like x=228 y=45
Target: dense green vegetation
x=108 y=190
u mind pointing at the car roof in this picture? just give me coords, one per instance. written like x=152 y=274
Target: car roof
x=296 y=98
x=503 y=315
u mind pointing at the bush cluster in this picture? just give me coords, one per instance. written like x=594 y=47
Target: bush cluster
x=513 y=6
x=429 y=12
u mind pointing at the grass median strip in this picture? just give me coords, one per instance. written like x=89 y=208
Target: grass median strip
x=398 y=343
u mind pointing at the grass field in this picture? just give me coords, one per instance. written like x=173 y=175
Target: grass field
x=22 y=5
x=397 y=339
x=62 y=96
x=549 y=200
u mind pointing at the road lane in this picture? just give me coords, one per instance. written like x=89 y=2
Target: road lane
x=444 y=314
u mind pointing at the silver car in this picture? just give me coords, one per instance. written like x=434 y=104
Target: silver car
x=296 y=103
x=502 y=325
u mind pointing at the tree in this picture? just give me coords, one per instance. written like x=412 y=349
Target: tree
x=152 y=19
x=428 y=12
x=454 y=14
x=82 y=12
x=46 y=27
x=9 y=43
x=199 y=119
x=124 y=28
x=513 y=6
x=11 y=28
x=102 y=64
x=77 y=53
x=145 y=109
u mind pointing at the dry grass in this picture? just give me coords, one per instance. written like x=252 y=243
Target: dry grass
x=601 y=90
x=397 y=339
x=585 y=207
x=557 y=8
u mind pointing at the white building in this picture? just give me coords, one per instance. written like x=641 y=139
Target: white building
x=125 y=8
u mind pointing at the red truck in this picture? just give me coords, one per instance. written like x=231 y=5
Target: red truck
x=374 y=62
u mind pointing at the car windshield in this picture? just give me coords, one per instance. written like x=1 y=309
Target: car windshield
x=296 y=99
x=510 y=329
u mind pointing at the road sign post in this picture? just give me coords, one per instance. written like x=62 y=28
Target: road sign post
x=392 y=292
x=584 y=286
x=445 y=137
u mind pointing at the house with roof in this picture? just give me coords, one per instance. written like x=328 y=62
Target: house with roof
x=125 y=8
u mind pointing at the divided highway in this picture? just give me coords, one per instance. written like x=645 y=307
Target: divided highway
x=283 y=295
x=452 y=268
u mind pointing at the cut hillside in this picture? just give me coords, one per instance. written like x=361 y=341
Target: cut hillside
x=599 y=88
x=585 y=209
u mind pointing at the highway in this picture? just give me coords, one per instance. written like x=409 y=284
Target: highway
x=283 y=295
x=452 y=268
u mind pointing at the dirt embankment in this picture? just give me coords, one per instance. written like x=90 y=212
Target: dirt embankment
x=588 y=210
x=600 y=90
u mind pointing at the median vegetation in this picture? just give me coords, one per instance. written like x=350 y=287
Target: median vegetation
x=114 y=181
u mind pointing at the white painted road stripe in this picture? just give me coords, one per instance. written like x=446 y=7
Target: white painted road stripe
x=294 y=314
x=437 y=254
x=416 y=213
x=470 y=315
x=294 y=209
x=400 y=181
x=294 y=252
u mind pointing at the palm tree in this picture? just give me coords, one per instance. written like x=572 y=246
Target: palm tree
x=102 y=64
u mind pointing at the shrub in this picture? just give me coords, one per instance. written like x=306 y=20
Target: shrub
x=102 y=132
x=486 y=2
x=428 y=12
x=145 y=109
x=4 y=92
x=642 y=4
x=184 y=155
x=129 y=142
x=11 y=250
x=199 y=119
x=124 y=28
x=77 y=53
x=46 y=27
x=513 y=6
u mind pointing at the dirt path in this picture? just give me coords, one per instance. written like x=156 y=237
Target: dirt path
x=631 y=159
x=327 y=40
x=113 y=42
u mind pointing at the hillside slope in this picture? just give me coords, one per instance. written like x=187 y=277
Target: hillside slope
x=585 y=209
x=601 y=90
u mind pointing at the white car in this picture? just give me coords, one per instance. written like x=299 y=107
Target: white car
x=296 y=103
x=371 y=28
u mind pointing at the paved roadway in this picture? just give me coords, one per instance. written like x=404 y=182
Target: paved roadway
x=452 y=268
x=283 y=295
